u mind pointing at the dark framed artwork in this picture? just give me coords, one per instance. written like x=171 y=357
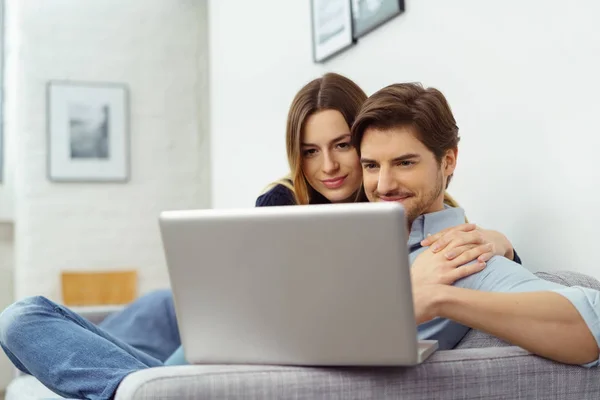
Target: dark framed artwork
x=368 y=15
x=88 y=132
x=331 y=28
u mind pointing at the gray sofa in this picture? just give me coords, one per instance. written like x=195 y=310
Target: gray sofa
x=481 y=367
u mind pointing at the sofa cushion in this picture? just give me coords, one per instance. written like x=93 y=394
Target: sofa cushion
x=492 y=374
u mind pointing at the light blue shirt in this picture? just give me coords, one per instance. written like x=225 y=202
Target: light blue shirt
x=500 y=275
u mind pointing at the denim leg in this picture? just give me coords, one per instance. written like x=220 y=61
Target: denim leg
x=71 y=356
x=148 y=324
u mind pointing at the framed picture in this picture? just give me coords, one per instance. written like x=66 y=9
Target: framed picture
x=88 y=132
x=331 y=28
x=370 y=14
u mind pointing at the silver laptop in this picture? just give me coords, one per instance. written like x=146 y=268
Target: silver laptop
x=318 y=285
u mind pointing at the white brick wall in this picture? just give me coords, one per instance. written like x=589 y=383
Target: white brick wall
x=158 y=48
x=6 y=291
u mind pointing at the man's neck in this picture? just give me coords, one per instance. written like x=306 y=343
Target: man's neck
x=438 y=205
x=434 y=222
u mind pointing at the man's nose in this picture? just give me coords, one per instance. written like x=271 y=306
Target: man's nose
x=386 y=182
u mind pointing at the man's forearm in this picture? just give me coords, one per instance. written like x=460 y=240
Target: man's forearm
x=544 y=323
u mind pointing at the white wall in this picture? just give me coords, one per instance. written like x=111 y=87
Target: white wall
x=522 y=78
x=156 y=47
x=6 y=292
x=7 y=181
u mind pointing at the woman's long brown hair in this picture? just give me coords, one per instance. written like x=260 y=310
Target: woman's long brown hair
x=330 y=92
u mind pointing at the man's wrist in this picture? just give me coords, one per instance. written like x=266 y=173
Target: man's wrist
x=442 y=297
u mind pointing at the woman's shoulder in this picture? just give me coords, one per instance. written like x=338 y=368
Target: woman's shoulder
x=279 y=195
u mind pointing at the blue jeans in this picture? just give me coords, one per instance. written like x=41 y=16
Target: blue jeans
x=73 y=357
x=148 y=324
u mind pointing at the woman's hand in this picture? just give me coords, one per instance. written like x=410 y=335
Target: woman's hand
x=453 y=241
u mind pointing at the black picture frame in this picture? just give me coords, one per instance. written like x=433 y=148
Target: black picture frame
x=368 y=17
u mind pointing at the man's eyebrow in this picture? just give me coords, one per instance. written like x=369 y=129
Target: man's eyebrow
x=336 y=139
x=403 y=157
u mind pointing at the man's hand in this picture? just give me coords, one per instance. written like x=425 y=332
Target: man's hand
x=431 y=271
x=434 y=268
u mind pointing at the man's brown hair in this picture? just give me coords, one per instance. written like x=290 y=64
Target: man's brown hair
x=411 y=105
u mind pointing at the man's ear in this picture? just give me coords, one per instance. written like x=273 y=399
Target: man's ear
x=449 y=161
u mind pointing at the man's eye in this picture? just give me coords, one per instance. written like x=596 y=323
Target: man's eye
x=369 y=166
x=406 y=163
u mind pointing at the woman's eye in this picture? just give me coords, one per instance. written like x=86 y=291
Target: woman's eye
x=343 y=146
x=309 y=152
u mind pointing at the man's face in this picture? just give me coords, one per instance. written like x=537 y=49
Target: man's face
x=398 y=167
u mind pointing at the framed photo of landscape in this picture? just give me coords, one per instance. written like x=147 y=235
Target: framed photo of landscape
x=88 y=132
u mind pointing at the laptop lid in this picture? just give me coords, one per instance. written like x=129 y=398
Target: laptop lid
x=292 y=285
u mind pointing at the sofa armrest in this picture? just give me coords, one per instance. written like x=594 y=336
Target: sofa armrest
x=489 y=373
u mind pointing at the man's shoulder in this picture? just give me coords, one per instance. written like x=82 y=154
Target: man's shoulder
x=279 y=195
x=499 y=274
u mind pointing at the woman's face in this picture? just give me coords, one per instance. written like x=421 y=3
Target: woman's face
x=329 y=161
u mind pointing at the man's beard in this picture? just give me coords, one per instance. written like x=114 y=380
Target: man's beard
x=425 y=202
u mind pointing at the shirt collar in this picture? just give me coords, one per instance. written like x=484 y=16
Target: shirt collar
x=432 y=223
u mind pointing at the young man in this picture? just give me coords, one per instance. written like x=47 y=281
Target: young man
x=407 y=140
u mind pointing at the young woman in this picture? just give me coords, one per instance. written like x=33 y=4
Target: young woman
x=75 y=358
